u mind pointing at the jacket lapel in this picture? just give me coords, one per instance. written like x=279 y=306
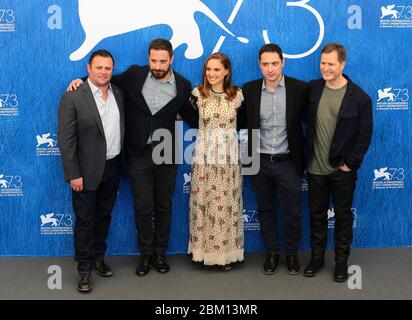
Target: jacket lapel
x=179 y=87
x=91 y=104
x=141 y=78
x=317 y=94
x=290 y=101
x=346 y=98
x=256 y=102
x=119 y=102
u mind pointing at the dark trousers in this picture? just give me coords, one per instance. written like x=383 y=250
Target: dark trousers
x=93 y=210
x=153 y=186
x=340 y=186
x=280 y=176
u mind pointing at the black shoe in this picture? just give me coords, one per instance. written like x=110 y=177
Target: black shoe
x=292 y=264
x=160 y=263
x=84 y=283
x=313 y=267
x=102 y=269
x=271 y=263
x=144 y=266
x=341 y=272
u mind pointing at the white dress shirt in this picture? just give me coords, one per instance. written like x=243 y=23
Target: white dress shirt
x=110 y=116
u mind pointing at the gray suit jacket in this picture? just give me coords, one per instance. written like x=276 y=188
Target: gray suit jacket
x=81 y=136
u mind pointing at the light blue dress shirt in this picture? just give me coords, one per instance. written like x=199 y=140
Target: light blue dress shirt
x=273 y=134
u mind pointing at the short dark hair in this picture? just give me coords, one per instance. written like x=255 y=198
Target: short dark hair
x=161 y=44
x=271 y=47
x=100 y=53
x=340 y=50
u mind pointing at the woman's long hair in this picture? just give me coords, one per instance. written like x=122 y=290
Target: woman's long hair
x=228 y=88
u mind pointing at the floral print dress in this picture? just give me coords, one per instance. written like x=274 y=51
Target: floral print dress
x=216 y=219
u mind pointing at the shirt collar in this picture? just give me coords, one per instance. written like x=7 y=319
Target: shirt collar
x=171 y=80
x=280 y=84
x=95 y=89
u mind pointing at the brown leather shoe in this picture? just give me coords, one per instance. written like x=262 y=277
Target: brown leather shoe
x=292 y=264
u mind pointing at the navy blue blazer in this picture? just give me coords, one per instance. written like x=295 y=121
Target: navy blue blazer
x=140 y=123
x=296 y=98
x=81 y=136
x=353 y=132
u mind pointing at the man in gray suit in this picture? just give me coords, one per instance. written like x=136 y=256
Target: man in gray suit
x=90 y=133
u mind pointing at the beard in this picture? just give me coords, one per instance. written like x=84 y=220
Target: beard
x=159 y=74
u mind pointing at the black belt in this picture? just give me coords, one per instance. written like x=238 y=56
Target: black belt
x=275 y=157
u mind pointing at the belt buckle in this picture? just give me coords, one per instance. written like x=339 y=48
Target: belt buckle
x=277 y=157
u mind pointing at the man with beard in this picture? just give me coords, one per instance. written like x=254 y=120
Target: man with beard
x=154 y=95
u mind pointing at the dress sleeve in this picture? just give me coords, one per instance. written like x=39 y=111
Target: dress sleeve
x=239 y=98
x=195 y=92
x=195 y=98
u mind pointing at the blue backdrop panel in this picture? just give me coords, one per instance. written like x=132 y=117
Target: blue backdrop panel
x=44 y=44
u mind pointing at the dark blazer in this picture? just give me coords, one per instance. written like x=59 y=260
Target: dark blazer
x=81 y=136
x=140 y=123
x=353 y=131
x=296 y=97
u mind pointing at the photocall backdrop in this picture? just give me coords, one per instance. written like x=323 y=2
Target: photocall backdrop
x=44 y=44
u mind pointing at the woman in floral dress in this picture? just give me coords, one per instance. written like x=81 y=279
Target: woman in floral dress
x=216 y=220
